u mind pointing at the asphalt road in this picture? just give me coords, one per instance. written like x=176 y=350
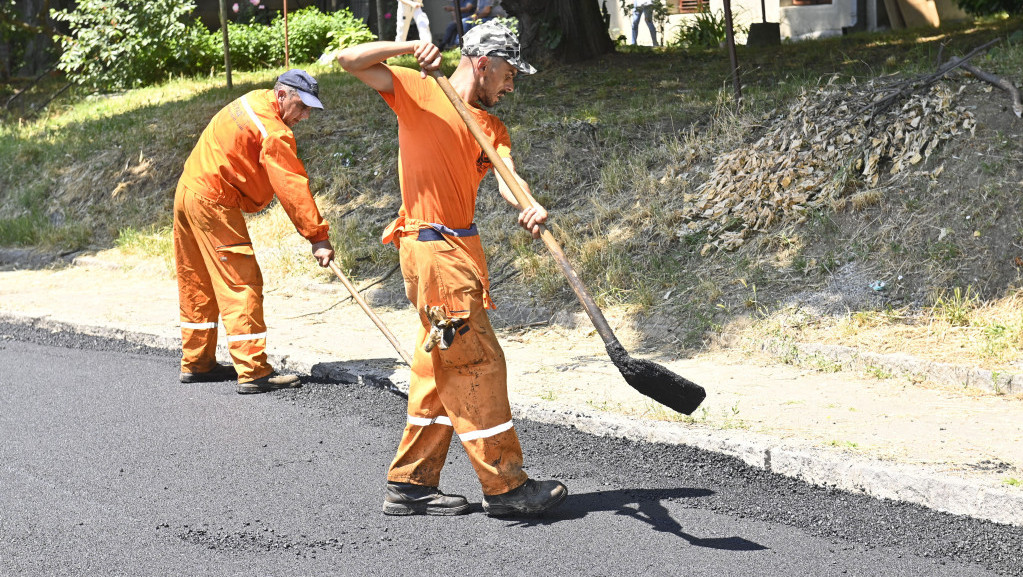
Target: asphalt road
x=109 y=466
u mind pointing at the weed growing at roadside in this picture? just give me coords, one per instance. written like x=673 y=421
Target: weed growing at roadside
x=955 y=307
x=823 y=364
x=879 y=372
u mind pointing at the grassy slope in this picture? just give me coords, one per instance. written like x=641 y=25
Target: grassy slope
x=610 y=147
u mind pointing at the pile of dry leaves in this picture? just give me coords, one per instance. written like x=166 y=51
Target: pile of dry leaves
x=811 y=154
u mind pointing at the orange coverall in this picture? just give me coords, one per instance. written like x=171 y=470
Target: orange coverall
x=463 y=389
x=245 y=155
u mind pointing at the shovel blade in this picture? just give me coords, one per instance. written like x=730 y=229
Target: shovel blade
x=657 y=382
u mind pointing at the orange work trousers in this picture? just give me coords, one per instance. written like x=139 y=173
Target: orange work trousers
x=218 y=276
x=463 y=389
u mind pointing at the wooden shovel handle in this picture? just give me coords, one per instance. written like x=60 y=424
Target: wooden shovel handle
x=596 y=316
x=372 y=315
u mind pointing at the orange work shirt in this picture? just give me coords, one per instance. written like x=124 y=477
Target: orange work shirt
x=246 y=155
x=440 y=164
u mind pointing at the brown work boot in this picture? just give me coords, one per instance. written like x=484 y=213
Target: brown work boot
x=217 y=374
x=271 y=382
x=530 y=499
x=409 y=499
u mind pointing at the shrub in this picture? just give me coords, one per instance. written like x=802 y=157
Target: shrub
x=118 y=44
x=124 y=43
x=197 y=51
x=310 y=34
x=254 y=46
x=307 y=33
x=705 y=30
x=346 y=30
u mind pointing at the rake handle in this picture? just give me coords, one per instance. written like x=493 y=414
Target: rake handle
x=372 y=315
x=596 y=316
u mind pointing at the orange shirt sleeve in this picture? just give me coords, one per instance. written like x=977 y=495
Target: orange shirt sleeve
x=290 y=182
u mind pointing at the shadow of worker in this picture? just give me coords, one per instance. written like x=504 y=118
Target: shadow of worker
x=647 y=506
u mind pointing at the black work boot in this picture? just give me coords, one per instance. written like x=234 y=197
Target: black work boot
x=217 y=374
x=528 y=500
x=409 y=499
x=271 y=382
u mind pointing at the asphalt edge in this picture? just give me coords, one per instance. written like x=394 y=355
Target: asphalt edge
x=880 y=479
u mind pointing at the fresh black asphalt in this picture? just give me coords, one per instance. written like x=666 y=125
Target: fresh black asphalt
x=109 y=466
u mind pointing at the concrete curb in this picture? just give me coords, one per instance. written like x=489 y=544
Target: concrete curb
x=880 y=479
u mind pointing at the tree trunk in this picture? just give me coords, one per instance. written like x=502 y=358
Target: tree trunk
x=381 y=10
x=36 y=57
x=560 y=30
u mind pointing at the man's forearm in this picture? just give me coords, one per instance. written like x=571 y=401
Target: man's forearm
x=364 y=56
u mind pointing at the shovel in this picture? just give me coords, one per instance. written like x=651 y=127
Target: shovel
x=372 y=315
x=648 y=378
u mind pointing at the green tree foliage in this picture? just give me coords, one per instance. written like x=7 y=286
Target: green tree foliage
x=116 y=44
x=985 y=7
x=124 y=43
x=310 y=31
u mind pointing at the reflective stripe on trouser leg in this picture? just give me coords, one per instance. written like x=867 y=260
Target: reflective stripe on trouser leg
x=467 y=383
x=477 y=399
x=197 y=304
x=198 y=346
x=427 y=435
x=248 y=351
x=234 y=279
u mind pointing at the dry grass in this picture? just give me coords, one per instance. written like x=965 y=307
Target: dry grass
x=617 y=150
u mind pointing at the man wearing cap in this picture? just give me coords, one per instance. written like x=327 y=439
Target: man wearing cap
x=459 y=385
x=245 y=156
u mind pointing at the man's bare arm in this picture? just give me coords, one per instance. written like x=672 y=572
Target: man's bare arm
x=530 y=217
x=365 y=61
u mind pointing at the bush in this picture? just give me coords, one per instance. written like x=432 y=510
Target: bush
x=254 y=46
x=310 y=34
x=307 y=33
x=124 y=43
x=118 y=44
x=705 y=30
x=198 y=51
x=346 y=31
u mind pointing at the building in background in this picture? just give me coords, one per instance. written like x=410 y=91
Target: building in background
x=798 y=19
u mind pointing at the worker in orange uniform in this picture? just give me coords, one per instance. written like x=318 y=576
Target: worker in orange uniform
x=246 y=155
x=460 y=385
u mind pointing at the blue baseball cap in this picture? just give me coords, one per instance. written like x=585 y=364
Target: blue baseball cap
x=308 y=89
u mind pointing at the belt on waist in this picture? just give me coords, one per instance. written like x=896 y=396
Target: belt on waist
x=437 y=232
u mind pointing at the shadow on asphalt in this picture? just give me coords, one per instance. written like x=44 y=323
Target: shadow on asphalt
x=644 y=505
